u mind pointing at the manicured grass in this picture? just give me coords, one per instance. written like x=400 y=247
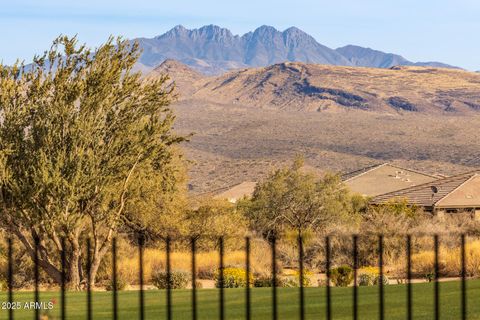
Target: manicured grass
x=395 y=303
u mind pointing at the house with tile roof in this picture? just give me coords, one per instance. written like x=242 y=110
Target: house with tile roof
x=383 y=178
x=456 y=193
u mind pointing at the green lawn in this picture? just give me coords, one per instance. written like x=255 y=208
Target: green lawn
x=395 y=300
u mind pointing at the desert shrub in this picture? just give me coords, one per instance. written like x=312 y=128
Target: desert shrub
x=261 y=257
x=198 y=285
x=215 y=218
x=263 y=281
x=430 y=276
x=450 y=262
x=307 y=282
x=207 y=272
x=422 y=262
x=121 y=283
x=233 y=278
x=289 y=282
x=367 y=276
x=385 y=279
x=341 y=276
x=178 y=279
x=322 y=282
x=366 y=279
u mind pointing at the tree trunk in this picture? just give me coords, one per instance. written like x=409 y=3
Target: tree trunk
x=97 y=259
x=48 y=267
x=74 y=277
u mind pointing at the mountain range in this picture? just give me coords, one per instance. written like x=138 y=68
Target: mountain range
x=214 y=50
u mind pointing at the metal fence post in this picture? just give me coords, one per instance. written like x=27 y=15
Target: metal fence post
x=274 y=278
x=222 y=279
x=437 y=277
x=409 y=278
x=89 y=280
x=380 y=280
x=247 y=274
x=37 y=277
x=327 y=257
x=300 y=277
x=114 y=279
x=355 y=271
x=169 y=277
x=63 y=314
x=10 y=277
x=464 y=277
x=141 y=241
x=194 y=279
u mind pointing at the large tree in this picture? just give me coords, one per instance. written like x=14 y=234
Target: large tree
x=83 y=139
x=290 y=199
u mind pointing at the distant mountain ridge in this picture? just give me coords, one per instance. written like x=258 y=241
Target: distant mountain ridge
x=366 y=57
x=215 y=50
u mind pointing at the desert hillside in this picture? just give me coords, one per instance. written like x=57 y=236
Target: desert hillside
x=309 y=87
x=247 y=122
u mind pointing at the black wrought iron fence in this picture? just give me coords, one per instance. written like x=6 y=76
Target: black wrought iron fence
x=379 y=251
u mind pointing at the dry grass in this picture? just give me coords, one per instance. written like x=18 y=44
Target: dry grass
x=449 y=261
x=207 y=262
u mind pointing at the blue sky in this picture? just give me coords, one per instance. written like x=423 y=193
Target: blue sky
x=421 y=30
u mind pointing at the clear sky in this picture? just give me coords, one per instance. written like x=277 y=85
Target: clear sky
x=420 y=30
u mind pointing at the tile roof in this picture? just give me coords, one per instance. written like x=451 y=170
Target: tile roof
x=349 y=175
x=383 y=178
x=430 y=193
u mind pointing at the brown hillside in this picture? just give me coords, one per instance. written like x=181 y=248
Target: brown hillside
x=244 y=124
x=183 y=76
x=309 y=87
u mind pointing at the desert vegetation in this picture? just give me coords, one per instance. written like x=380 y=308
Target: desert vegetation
x=88 y=152
x=289 y=203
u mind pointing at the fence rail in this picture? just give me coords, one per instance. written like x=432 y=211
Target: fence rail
x=382 y=311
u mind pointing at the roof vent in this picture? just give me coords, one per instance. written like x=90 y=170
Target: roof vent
x=434 y=189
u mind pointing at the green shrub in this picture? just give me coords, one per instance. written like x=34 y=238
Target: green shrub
x=430 y=276
x=289 y=282
x=262 y=281
x=233 y=278
x=294 y=280
x=366 y=279
x=384 y=278
x=121 y=283
x=307 y=282
x=266 y=282
x=283 y=282
x=178 y=279
x=341 y=276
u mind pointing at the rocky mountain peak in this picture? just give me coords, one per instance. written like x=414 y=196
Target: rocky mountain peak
x=212 y=49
